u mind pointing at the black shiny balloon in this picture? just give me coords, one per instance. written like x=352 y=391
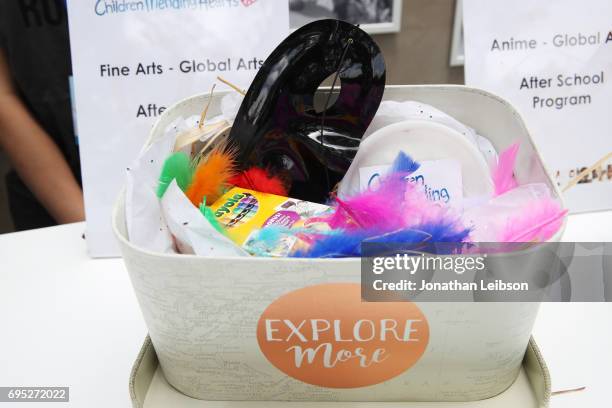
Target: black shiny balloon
x=277 y=125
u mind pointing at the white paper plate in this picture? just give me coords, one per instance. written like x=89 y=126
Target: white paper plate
x=423 y=141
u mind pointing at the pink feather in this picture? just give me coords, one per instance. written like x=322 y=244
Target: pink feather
x=395 y=204
x=373 y=208
x=538 y=222
x=418 y=209
x=503 y=172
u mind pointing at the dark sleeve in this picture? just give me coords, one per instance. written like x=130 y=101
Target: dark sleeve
x=2 y=26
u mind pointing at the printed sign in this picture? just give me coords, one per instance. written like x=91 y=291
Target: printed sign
x=553 y=62
x=325 y=335
x=134 y=58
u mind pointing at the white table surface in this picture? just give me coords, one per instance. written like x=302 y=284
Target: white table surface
x=68 y=320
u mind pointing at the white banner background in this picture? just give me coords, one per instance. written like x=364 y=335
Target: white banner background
x=117 y=104
x=551 y=41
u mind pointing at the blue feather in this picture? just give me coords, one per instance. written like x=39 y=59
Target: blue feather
x=404 y=164
x=437 y=238
x=348 y=244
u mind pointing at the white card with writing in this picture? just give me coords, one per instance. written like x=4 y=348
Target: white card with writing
x=553 y=62
x=441 y=180
x=132 y=59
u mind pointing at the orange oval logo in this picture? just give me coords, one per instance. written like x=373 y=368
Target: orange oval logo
x=325 y=335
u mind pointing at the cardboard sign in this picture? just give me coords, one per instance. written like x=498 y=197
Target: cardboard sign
x=553 y=62
x=134 y=58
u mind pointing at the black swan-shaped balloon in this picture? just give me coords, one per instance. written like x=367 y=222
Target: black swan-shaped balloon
x=277 y=125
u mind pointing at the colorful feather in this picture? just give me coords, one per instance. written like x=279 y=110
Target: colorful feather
x=431 y=239
x=403 y=163
x=211 y=176
x=538 y=222
x=378 y=207
x=396 y=212
x=396 y=204
x=258 y=179
x=381 y=208
x=348 y=243
x=435 y=238
x=177 y=166
x=503 y=172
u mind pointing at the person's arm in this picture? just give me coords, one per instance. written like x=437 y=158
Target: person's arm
x=35 y=157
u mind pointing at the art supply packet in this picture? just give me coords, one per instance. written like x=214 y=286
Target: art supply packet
x=243 y=213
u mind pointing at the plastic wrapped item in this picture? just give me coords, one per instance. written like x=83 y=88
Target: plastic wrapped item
x=523 y=214
x=390 y=112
